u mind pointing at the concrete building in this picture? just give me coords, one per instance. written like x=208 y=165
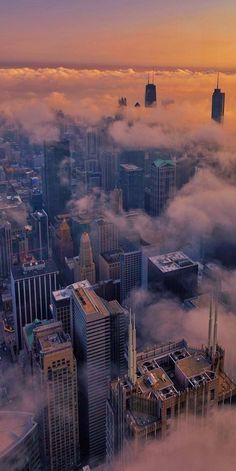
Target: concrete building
x=174 y=272
x=164 y=383
x=162 y=185
x=104 y=238
x=19 y=444
x=31 y=285
x=86 y=265
x=109 y=265
x=54 y=371
x=98 y=338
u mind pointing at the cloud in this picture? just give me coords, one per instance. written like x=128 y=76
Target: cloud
x=197 y=446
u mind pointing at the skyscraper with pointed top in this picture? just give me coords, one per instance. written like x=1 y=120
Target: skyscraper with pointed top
x=218 y=103
x=86 y=263
x=150 y=93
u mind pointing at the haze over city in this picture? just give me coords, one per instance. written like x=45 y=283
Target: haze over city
x=117 y=235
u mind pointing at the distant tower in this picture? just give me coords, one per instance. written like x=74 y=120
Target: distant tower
x=86 y=263
x=150 y=94
x=218 y=104
x=132 y=359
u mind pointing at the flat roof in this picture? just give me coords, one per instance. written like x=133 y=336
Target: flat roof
x=130 y=167
x=113 y=256
x=13 y=427
x=51 y=337
x=171 y=261
x=193 y=365
x=163 y=163
x=49 y=266
x=29 y=329
x=90 y=302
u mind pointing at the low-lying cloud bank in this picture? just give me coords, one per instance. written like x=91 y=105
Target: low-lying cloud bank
x=201 y=446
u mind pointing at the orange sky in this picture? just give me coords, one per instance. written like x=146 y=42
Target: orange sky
x=180 y=33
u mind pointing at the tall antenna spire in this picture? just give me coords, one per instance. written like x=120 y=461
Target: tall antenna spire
x=218 y=76
x=148 y=78
x=215 y=331
x=210 y=324
x=132 y=357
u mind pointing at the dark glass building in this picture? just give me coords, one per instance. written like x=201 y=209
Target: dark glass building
x=218 y=104
x=150 y=95
x=132 y=185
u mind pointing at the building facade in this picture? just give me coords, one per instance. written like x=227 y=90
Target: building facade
x=162 y=185
x=55 y=380
x=31 y=285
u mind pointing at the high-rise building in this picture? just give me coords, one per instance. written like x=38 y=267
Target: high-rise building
x=54 y=373
x=116 y=200
x=57 y=178
x=5 y=248
x=40 y=234
x=150 y=95
x=63 y=243
x=162 y=185
x=86 y=263
x=109 y=170
x=98 y=338
x=218 y=104
x=31 y=285
x=174 y=272
x=20 y=445
x=130 y=270
x=167 y=382
x=104 y=237
x=132 y=185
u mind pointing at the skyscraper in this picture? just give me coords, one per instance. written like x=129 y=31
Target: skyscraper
x=91 y=339
x=104 y=237
x=40 y=235
x=86 y=263
x=57 y=178
x=5 y=248
x=162 y=185
x=109 y=170
x=31 y=285
x=150 y=94
x=132 y=185
x=99 y=341
x=130 y=270
x=218 y=104
x=55 y=380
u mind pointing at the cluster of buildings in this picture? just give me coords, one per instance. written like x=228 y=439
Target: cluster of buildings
x=67 y=275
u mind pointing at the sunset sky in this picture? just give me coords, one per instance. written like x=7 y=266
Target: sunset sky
x=178 y=33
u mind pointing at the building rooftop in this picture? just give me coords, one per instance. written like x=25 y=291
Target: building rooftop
x=90 y=302
x=51 y=337
x=29 y=329
x=113 y=256
x=171 y=261
x=130 y=167
x=65 y=293
x=34 y=268
x=163 y=163
x=14 y=426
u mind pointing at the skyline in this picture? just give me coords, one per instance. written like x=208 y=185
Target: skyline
x=170 y=35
